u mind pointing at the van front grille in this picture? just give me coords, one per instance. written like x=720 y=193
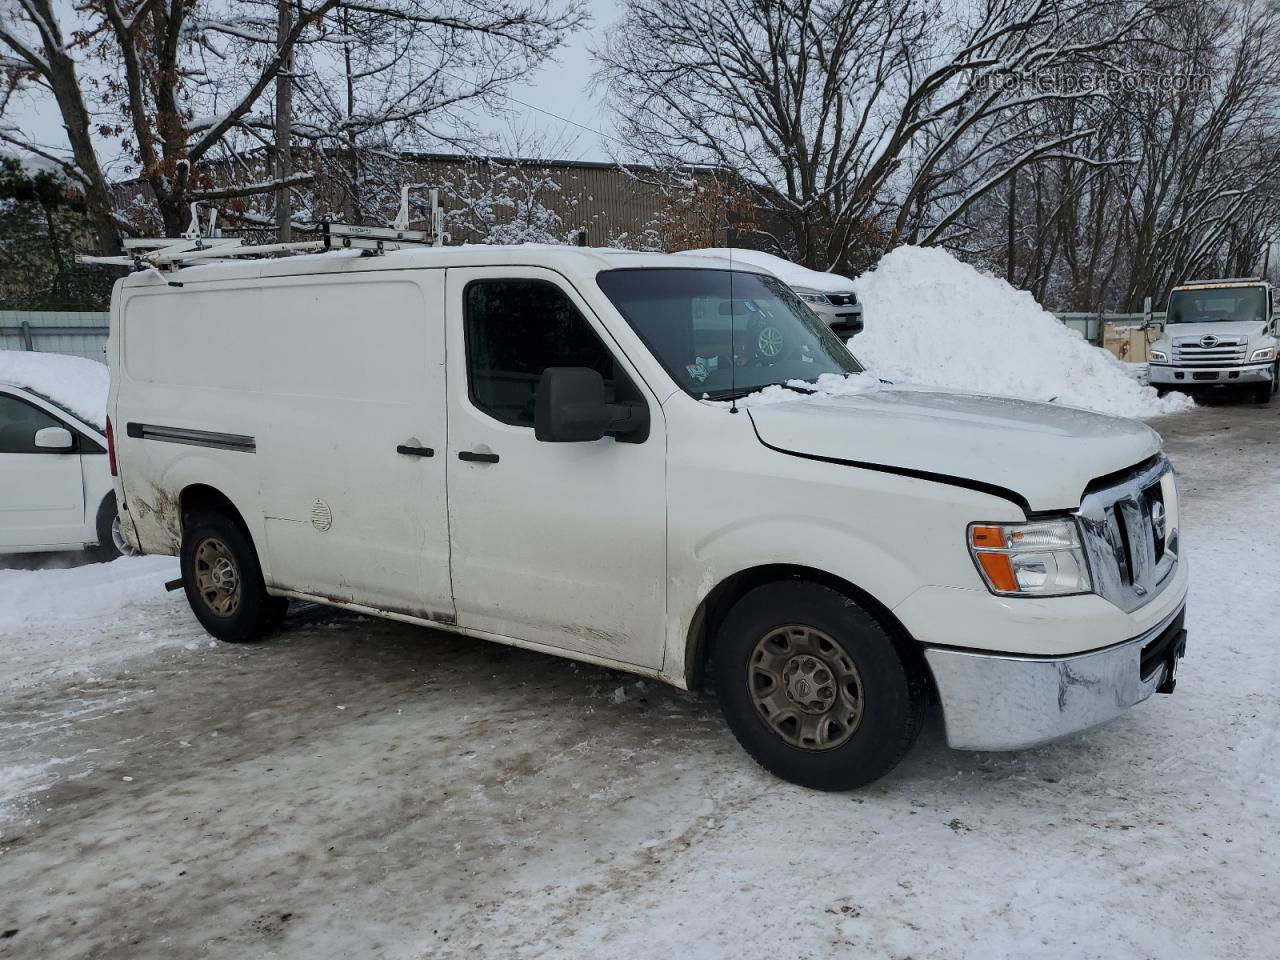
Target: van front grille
x=1125 y=526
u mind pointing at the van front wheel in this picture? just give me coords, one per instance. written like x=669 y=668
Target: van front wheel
x=224 y=584
x=813 y=687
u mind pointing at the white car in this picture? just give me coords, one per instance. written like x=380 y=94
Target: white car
x=55 y=476
x=579 y=452
x=828 y=295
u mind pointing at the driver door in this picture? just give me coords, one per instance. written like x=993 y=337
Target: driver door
x=559 y=544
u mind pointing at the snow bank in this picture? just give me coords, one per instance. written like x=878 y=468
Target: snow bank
x=935 y=321
x=789 y=273
x=77 y=620
x=76 y=384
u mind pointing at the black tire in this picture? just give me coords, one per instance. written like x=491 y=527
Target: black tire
x=892 y=696
x=252 y=612
x=106 y=550
x=277 y=609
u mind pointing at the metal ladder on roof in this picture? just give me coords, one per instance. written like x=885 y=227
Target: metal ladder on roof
x=204 y=241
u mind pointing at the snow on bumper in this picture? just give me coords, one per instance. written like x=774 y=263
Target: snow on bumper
x=996 y=701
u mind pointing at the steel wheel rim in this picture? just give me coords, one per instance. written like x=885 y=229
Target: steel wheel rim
x=805 y=687
x=217 y=577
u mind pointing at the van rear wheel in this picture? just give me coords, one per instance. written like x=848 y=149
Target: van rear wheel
x=223 y=582
x=813 y=687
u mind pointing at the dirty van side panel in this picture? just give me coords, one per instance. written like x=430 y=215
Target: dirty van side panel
x=187 y=361
x=353 y=372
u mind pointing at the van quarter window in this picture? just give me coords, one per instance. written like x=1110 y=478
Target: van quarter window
x=19 y=422
x=516 y=329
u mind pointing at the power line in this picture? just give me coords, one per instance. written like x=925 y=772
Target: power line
x=554 y=116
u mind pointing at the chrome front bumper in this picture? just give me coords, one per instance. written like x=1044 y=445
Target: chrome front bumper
x=1160 y=374
x=1004 y=702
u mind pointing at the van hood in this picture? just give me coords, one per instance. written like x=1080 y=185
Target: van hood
x=1254 y=329
x=1040 y=455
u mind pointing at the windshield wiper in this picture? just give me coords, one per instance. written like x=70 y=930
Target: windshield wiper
x=738 y=394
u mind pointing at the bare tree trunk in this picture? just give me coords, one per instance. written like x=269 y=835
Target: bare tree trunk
x=284 y=129
x=1011 y=244
x=60 y=72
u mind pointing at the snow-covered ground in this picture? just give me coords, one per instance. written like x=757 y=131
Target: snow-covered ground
x=60 y=621
x=934 y=321
x=357 y=787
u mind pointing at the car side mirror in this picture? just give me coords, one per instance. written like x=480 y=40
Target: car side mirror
x=570 y=407
x=55 y=439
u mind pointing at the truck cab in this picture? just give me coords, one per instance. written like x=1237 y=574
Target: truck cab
x=1219 y=333
x=665 y=465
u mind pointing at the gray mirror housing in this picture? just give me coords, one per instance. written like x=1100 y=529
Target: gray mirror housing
x=57 y=439
x=570 y=407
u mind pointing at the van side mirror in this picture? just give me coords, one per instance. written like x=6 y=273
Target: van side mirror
x=55 y=439
x=570 y=407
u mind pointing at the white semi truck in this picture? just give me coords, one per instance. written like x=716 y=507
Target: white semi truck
x=1219 y=333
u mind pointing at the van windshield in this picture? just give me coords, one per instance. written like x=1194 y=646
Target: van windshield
x=723 y=333
x=1221 y=305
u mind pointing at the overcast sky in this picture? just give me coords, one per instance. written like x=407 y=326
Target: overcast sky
x=558 y=88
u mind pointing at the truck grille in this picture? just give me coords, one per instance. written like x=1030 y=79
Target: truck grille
x=1129 y=524
x=1210 y=350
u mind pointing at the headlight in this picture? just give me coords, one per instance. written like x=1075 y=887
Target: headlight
x=1041 y=559
x=1260 y=356
x=810 y=296
x=1159 y=356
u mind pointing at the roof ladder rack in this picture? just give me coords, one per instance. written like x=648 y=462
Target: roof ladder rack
x=207 y=243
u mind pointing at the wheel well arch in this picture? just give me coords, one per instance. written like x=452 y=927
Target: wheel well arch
x=200 y=498
x=700 y=640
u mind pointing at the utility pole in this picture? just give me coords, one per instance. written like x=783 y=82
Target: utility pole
x=284 y=126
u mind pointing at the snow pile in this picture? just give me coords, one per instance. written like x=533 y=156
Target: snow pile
x=792 y=274
x=935 y=321
x=55 y=622
x=73 y=383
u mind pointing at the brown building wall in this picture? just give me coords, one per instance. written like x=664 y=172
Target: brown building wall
x=633 y=206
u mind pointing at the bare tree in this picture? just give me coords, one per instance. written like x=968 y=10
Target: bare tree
x=36 y=53
x=852 y=117
x=1183 y=170
x=192 y=80
x=517 y=197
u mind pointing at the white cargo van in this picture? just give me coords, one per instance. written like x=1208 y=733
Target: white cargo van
x=589 y=453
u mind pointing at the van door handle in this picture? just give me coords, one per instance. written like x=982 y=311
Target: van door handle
x=409 y=451
x=471 y=456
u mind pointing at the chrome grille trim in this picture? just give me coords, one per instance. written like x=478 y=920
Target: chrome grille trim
x=1224 y=350
x=1127 y=560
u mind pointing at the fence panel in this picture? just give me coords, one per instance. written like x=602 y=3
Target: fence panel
x=75 y=333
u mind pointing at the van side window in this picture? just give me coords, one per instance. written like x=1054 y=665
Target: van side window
x=19 y=422
x=517 y=328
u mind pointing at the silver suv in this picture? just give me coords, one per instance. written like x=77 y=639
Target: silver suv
x=1219 y=333
x=841 y=311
